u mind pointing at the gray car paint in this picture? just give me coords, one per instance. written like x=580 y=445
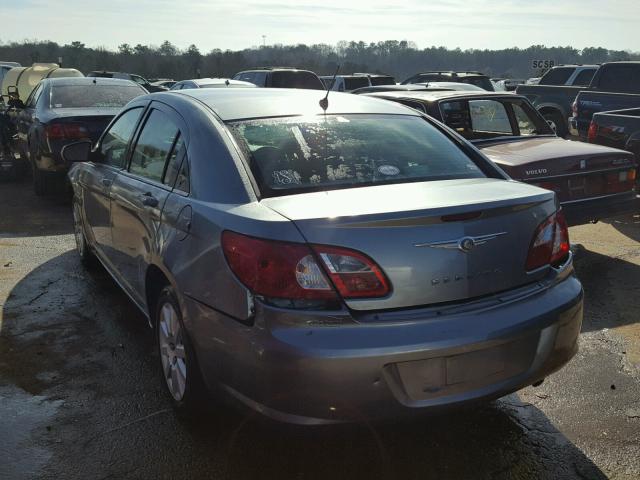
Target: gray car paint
x=326 y=366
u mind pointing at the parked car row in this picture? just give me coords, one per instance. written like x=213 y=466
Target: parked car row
x=591 y=182
x=573 y=94
x=319 y=259
x=376 y=238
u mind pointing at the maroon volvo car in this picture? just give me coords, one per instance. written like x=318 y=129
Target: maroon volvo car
x=592 y=182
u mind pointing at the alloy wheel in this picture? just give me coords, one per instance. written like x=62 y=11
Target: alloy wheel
x=172 y=351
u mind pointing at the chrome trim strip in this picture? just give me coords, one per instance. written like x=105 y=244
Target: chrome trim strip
x=587 y=172
x=457 y=244
x=580 y=200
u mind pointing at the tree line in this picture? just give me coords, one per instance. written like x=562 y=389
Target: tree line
x=398 y=58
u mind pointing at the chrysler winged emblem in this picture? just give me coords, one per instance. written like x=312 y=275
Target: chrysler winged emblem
x=464 y=244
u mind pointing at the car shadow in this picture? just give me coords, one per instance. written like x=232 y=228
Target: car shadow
x=628 y=225
x=31 y=215
x=611 y=287
x=71 y=335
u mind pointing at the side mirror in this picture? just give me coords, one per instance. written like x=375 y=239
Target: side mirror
x=77 y=152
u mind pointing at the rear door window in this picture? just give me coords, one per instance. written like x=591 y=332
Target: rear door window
x=489 y=116
x=557 y=76
x=351 y=83
x=295 y=79
x=583 y=79
x=153 y=146
x=173 y=164
x=115 y=141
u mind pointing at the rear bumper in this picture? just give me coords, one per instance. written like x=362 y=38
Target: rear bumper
x=591 y=210
x=308 y=374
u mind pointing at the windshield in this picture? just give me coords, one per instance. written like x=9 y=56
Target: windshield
x=82 y=96
x=320 y=153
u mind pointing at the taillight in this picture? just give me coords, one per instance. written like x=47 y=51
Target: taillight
x=354 y=274
x=550 y=244
x=593 y=132
x=293 y=271
x=66 y=131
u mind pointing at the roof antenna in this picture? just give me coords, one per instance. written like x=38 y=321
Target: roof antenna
x=324 y=103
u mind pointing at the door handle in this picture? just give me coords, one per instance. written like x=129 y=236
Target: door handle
x=107 y=182
x=149 y=200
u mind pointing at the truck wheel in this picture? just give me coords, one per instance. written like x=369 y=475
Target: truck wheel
x=558 y=123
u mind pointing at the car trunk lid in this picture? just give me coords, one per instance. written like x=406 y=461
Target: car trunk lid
x=574 y=170
x=419 y=233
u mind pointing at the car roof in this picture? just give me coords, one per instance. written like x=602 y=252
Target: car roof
x=434 y=96
x=90 y=81
x=244 y=103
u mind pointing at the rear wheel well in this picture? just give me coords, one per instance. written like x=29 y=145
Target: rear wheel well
x=155 y=281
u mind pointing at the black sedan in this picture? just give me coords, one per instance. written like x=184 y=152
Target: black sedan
x=64 y=110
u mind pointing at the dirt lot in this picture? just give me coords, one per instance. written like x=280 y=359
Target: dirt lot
x=80 y=396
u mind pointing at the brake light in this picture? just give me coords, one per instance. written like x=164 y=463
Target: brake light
x=593 y=132
x=295 y=271
x=354 y=274
x=66 y=131
x=550 y=244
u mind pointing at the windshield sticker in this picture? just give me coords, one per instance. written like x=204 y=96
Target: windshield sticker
x=286 y=177
x=389 y=170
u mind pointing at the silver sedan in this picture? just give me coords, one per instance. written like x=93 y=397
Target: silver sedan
x=320 y=265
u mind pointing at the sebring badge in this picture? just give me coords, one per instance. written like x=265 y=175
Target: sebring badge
x=464 y=244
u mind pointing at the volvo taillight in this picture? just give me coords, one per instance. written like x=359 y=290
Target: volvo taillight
x=592 y=133
x=296 y=271
x=550 y=244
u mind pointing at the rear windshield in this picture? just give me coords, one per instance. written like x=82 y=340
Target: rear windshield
x=295 y=79
x=351 y=83
x=290 y=155
x=81 y=96
x=382 y=81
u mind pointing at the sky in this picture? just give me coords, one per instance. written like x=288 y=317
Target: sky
x=239 y=24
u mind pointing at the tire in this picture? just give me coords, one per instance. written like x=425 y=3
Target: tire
x=87 y=257
x=562 y=129
x=179 y=369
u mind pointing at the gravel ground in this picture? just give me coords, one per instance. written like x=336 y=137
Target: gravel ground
x=80 y=395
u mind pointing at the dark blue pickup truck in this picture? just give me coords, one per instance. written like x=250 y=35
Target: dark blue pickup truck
x=619 y=129
x=615 y=86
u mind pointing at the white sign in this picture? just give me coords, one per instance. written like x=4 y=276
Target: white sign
x=542 y=64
